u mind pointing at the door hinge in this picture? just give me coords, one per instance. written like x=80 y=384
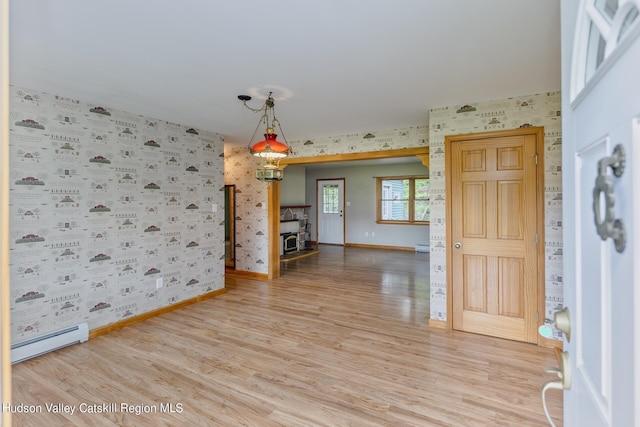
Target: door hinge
x=535 y=156
x=537 y=239
x=537 y=317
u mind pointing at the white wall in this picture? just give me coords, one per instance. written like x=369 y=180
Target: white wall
x=292 y=187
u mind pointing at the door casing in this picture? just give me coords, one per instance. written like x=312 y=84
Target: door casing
x=539 y=133
x=230 y=223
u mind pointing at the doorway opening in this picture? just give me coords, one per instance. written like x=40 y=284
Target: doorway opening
x=230 y=226
x=273 y=195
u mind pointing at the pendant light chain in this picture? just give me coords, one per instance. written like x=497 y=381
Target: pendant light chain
x=274 y=121
x=254 y=132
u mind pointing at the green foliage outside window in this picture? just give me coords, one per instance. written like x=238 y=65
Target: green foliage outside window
x=403 y=200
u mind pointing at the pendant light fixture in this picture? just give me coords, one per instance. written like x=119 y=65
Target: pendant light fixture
x=270 y=150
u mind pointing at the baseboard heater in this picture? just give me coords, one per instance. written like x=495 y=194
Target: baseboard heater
x=52 y=341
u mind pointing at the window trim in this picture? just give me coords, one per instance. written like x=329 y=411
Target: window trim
x=411 y=200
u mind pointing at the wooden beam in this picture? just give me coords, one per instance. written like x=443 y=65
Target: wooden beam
x=366 y=155
x=424 y=158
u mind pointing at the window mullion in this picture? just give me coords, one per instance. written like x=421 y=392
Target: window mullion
x=603 y=25
x=411 y=199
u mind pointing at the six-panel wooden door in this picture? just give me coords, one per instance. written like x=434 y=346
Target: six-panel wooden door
x=494 y=234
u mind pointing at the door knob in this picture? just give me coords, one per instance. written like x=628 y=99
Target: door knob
x=457 y=245
x=563 y=322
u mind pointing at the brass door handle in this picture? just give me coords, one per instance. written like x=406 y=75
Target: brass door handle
x=562 y=319
x=457 y=245
x=609 y=226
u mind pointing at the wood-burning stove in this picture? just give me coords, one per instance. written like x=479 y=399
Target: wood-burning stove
x=289 y=242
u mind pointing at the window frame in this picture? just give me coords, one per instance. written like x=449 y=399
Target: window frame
x=616 y=33
x=411 y=200
x=333 y=201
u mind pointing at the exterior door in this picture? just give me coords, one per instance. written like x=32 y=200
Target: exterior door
x=601 y=184
x=494 y=233
x=331 y=211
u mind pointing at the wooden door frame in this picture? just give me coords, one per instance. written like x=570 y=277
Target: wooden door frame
x=273 y=194
x=273 y=218
x=230 y=214
x=539 y=133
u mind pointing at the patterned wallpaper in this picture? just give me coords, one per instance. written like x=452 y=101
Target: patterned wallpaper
x=252 y=240
x=389 y=139
x=104 y=203
x=535 y=110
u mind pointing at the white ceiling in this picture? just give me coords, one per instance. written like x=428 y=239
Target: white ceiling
x=335 y=66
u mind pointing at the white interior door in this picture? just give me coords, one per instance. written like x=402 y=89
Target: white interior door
x=601 y=110
x=331 y=211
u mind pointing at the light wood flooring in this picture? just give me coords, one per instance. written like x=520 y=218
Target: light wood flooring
x=341 y=339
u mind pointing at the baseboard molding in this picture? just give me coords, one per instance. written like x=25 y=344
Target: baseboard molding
x=437 y=324
x=153 y=313
x=393 y=248
x=543 y=342
x=243 y=273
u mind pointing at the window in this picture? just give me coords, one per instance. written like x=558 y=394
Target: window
x=601 y=28
x=330 y=197
x=403 y=200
